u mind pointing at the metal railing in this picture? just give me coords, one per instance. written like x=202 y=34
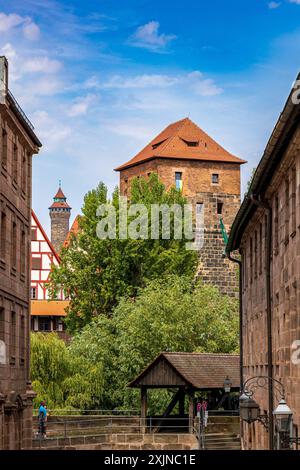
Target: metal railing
x=20 y=110
x=76 y=412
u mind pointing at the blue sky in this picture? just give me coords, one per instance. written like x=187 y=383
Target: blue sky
x=100 y=78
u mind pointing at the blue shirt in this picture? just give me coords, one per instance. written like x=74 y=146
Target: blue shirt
x=43 y=410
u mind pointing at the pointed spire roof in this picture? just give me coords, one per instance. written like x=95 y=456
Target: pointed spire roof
x=183 y=140
x=60 y=200
x=60 y=194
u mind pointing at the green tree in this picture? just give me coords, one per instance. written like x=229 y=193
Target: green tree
x=97 y=273
x=61 y=379
x=169 y=314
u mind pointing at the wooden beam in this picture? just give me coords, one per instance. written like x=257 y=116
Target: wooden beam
x=168 y=410
x=181 y=402
x=191 y=410
x=144 y=405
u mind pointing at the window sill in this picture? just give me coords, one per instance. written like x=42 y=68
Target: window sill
x=22 y=277
x=293 y=234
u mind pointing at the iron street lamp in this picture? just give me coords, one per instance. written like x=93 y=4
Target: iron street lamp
x=227 y=384
x=283 y=415
x=249 y=409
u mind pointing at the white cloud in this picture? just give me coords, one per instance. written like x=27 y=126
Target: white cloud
x=203 y=86
x=132 y=129
x=44 y=87
x=148 y=37
x=196 y=80
x=31 y=31
x=41 y=64
x=141 y=81
x=295 y=1
x=81 y=105
x=51 y=131
x=8 y=22
x=274 y=5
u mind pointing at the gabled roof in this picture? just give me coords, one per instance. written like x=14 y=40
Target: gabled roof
x=45 y=236
x=183 y=140
x=73 y=231
x=202 y=371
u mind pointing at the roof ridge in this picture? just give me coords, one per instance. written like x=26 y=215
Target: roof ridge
x=183 y=122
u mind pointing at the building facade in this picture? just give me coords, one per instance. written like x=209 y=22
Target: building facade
x=267 y=233
x=185 y=157
x=46 y=315
x=18 y=143
x=60 y=213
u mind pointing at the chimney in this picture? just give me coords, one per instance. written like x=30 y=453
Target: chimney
x=3 y=79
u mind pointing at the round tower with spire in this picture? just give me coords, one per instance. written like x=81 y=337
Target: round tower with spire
x=60 y=213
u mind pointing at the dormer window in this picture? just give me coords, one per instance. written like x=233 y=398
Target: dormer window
x=191 y=143
x=157 y=144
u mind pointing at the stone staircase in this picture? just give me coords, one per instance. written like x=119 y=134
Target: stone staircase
x=222 y=441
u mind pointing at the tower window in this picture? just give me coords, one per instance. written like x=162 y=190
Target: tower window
x=219 y=208
x=178 y=180
x=215 y=178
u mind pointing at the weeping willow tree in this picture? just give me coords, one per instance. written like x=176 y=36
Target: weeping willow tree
x=60 y=378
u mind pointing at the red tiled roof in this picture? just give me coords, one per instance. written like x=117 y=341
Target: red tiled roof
x=73 y=231
x=60 y=204
x=60 y=194
x=183 y=140
x=199 y=370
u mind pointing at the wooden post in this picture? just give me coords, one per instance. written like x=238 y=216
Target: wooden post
x=181 y=402
x=143 y=409
x=191 y=410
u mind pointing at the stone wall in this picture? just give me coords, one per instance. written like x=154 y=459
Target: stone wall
x=59 y=228
x=16 y=151
x=214 y=268
x=283 y=195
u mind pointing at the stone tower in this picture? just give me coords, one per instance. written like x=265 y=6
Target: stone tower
x=184 y=156
x=60 y=212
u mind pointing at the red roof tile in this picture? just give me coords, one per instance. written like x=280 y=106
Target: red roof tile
x=73 y=231
x=183 y=140
x=59 y=194
x=60 y=204
x=199 y=370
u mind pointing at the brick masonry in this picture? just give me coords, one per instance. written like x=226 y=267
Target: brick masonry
x=60 y=221
x=283 y=195
x=214 y=268
x=16 y=150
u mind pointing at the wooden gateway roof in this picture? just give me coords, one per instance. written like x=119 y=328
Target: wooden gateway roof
x=201 y=371
x=183 y=140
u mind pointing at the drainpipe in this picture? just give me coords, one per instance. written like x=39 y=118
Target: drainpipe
x=240 y=328
x=265 y=205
